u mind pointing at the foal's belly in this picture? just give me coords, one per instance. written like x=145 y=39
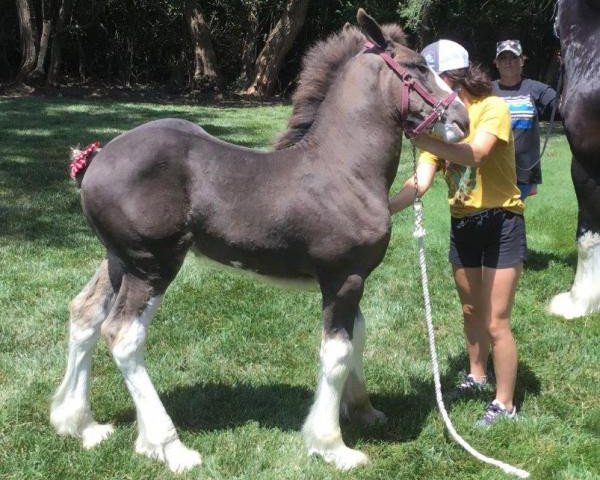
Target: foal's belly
x=282 y=262
x=290 y=279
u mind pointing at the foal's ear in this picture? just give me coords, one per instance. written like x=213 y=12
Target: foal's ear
x=371 y=29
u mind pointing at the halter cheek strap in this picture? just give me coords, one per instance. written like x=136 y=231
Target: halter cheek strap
x=408 y=83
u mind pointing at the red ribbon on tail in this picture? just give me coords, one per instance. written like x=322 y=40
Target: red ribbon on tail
x=80 y=161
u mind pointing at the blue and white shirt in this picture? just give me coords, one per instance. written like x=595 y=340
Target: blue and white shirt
x=527 y=101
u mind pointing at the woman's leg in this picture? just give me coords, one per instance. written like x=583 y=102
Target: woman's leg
x=470 y=286
x=499 y=286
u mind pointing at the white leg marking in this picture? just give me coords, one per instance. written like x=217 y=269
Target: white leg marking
x=322 y=434
x=157 y=437
x=584 y=296
x=358 y=392
x=70 y=412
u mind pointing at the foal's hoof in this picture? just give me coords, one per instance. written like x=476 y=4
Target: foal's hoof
x=180 y=458
x=373 y=417
x=564 y=306
x=345 y=458
x=175 y=454
x=365 y=417
x=95 y=433
x=76 y=421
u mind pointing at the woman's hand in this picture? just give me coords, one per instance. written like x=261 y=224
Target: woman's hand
x=406 y=196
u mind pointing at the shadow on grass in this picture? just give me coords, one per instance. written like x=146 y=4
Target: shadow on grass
x=37 y=201
x=61 y=225
x=537 y=261
x=213 y=406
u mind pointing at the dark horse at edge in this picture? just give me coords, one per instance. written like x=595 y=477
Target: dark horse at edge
x=315 y=208
x=578 y=27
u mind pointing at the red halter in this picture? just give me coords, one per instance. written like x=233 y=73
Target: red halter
x=409 y=82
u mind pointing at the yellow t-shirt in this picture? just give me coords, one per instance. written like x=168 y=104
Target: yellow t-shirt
x=493 y=184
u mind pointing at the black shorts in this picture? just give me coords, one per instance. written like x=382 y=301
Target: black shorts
x=494 y=238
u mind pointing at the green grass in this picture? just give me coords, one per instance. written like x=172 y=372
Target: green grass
x=235 y=362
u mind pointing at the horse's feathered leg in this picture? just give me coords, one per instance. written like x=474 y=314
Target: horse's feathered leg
x=322 y=433
x=584 y=296
x=356 y=405
x=125 y=331
x=70 y=413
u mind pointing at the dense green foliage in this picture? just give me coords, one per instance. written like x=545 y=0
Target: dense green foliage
x=141 y=42
x=235 y=361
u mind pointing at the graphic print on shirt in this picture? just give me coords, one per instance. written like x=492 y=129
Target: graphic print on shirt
x=522 y=111
x=462 y=181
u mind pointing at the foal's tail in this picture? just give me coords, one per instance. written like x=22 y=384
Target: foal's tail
x=81 y=159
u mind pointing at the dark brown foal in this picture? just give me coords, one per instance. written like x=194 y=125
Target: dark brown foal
x=315 y=209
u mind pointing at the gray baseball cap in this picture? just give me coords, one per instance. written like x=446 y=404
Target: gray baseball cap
x=512 y=46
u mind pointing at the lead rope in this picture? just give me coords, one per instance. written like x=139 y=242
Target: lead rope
x=553 y=114
x=419 y=234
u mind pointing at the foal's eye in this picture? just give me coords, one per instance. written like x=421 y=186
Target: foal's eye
x=422 y=68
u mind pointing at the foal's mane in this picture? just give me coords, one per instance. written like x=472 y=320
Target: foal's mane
x=320 y=67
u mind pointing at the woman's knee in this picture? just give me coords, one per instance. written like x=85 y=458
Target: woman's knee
x=499 y=329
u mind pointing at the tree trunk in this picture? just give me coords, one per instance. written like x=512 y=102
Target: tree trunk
x=48 y=12
x=250 y=47
x=43 y=52
x=64 y=14
x=82 y=60
x=126 y=63
x=278 y=44
x=206 y=75
x=28 y=39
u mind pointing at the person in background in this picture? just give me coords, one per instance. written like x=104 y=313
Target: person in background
x=528 y=100
x=487 y=240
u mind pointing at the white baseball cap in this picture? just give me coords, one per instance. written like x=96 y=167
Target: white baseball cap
x=445 y=55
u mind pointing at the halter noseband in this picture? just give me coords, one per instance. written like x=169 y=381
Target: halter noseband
x=408 y=82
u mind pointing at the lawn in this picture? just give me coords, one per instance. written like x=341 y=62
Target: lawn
x=235 y=361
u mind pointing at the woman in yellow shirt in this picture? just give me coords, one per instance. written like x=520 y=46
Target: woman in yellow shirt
x=487 y=241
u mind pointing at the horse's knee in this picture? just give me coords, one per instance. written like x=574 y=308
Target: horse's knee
x=341 y=306
x=352 y=288
x=125 y=341
x=125 y=331
x=135 y=303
